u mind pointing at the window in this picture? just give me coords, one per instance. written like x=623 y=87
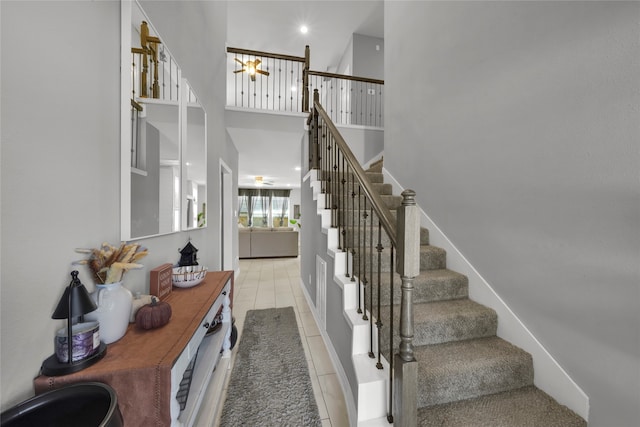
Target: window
x=280 y=211
x=263 y=208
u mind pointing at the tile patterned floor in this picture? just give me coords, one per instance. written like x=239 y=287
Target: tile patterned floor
x=267 y=283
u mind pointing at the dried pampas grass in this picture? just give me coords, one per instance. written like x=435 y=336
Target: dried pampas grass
x=109 y=263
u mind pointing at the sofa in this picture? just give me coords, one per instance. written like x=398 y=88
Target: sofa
x=259 y=242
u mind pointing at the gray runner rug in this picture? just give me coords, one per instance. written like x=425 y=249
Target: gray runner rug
x=270 y=383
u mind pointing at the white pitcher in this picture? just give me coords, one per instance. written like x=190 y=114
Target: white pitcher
x=114 y=308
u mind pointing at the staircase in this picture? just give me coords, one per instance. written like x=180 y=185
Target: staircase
x=467 y=376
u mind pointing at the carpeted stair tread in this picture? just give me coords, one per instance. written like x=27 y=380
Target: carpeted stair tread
x=390 y=201
x=366 y=234
x=431 y=258
x=376 y=166
x=383 y=188
x=375 y=176
x=452 y=320
x=428 y=286
x=361 y=202
x=348 y=187
x=351 y=187
x=445 y=321
x=467 y=369
x=524 y=407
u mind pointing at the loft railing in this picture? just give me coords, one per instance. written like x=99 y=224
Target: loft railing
x=267 y=81
x=376 y=245
x=275 y=82
x=349 y=100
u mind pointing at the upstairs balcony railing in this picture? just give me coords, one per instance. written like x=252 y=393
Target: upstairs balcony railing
x=267 y=81
x=282 y=83
x=349 y=100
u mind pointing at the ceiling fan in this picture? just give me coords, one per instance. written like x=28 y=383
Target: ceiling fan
x=252 y=68
x=260 y=181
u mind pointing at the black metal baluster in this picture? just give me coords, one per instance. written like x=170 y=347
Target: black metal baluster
x=279 y=85
x=361 y=283
x=390 y=413
x=323 y=164
x=340 y=199
x=298 y=74
x=331 y=148
x=343 y=205
x=379 y=322
x=353 y=232
x=334 y=186
x=363 y=260
x=261 y=87
x=371 y=354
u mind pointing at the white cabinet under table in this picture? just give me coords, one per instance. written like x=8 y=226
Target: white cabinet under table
x=145 y=368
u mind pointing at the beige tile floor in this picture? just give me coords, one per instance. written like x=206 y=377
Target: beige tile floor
x=267 y=283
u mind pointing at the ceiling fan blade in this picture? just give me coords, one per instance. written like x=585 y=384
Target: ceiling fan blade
x=266 y=73
x=256 y=62
x=239 y=71
x=240 y=62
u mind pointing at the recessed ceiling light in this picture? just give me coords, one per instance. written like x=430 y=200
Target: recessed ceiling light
x=304 y=29
x=298 y=168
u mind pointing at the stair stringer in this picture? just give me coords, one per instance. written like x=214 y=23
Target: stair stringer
x=549 y=375
x=372 y=383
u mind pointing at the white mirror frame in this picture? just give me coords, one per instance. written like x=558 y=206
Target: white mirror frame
x=127 y=14
x=125 y=121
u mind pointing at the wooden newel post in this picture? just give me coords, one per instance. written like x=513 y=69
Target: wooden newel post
x=408 y=266
x=314 y=147
x=144 y=33
x=305 y=80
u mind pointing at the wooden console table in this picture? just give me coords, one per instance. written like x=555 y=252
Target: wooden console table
x=145 y=368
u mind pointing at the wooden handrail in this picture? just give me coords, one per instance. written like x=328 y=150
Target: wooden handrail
x=266 y=54
x=346 y=77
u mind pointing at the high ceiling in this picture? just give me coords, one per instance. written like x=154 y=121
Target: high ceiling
x=274 y=26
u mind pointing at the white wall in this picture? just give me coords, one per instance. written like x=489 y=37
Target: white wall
x=365 y=143
x=60 y=156
x=517 y=124
x=362 y=57
x=368 y=56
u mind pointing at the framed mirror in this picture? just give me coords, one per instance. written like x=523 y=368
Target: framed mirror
x=155 y=174
x=194 y=154
x=163 y=136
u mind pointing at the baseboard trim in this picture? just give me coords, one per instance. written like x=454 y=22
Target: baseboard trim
x=342 y=376
x=549 y=375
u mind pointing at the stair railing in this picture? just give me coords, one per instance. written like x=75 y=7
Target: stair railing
x=277 y=82
x=372 y=239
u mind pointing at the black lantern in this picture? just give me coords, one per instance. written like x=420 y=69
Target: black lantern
x=75 y=303
x=188 y=255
